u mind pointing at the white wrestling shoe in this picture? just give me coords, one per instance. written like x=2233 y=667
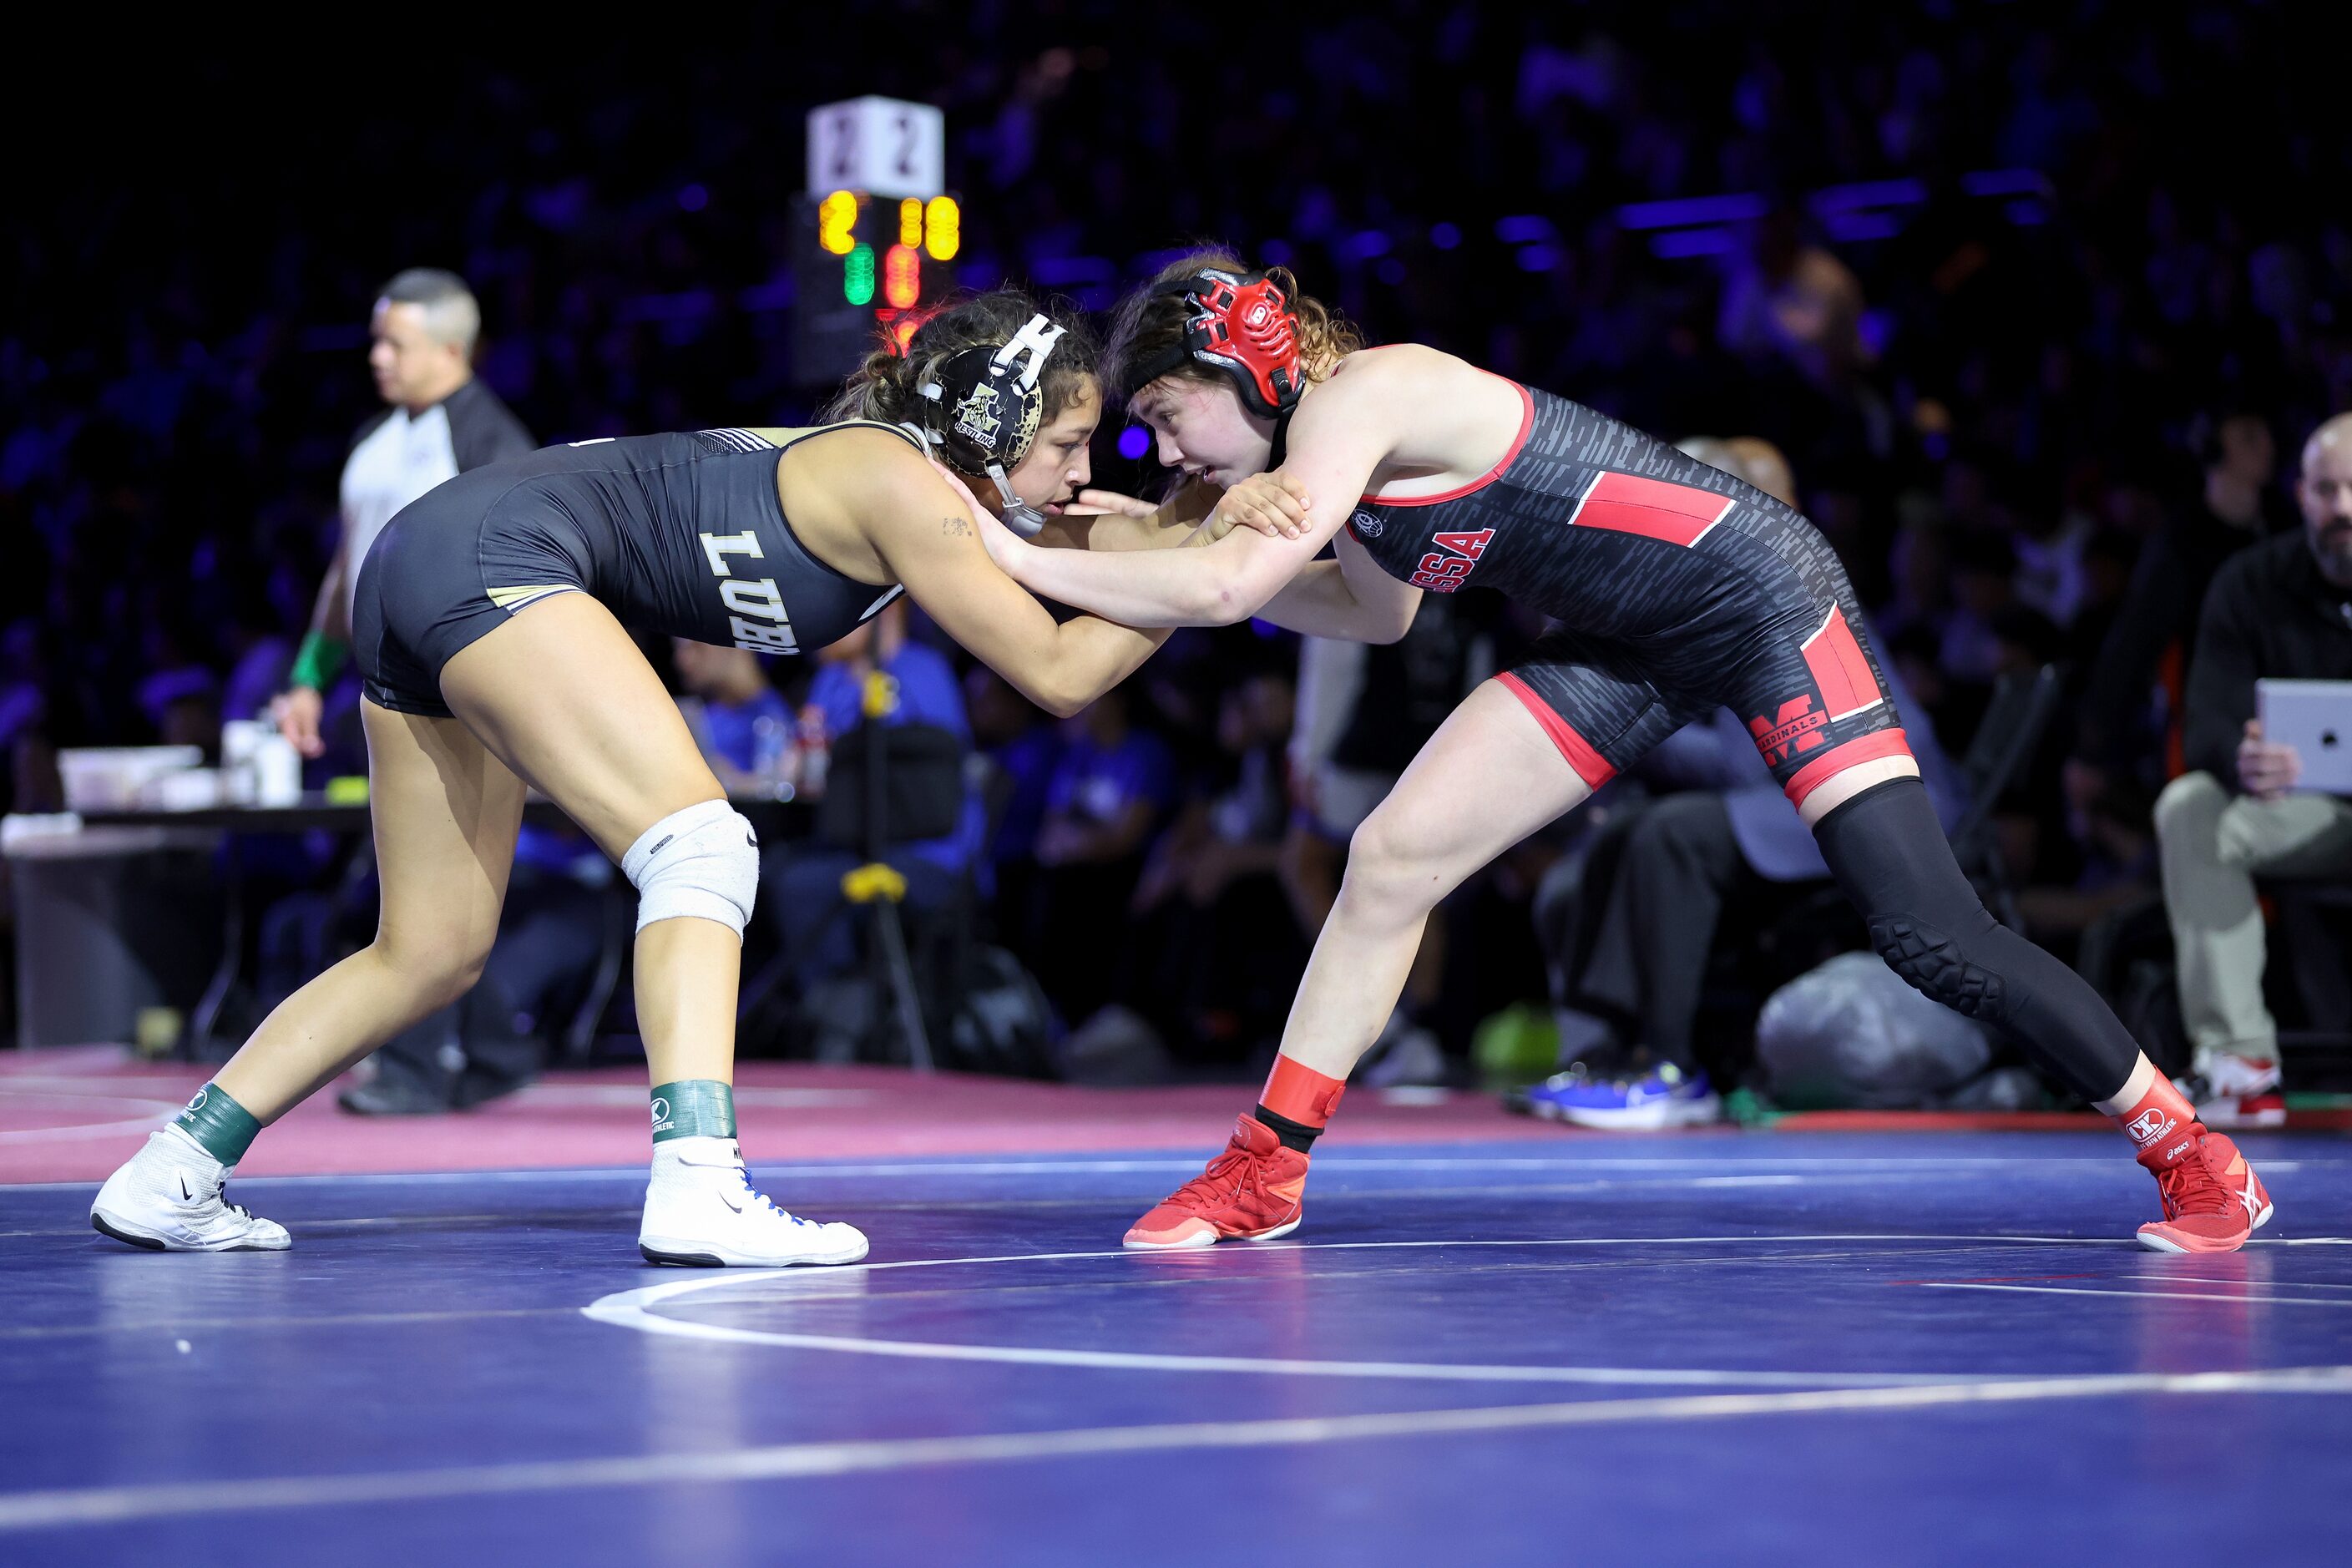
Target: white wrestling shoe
x=2235 y=1092
x=167 y=1198
x=701 y=1211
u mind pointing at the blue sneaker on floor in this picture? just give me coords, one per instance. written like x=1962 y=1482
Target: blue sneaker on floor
x=1667 y=1097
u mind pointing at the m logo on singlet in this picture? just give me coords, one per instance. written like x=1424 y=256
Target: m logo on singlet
x=1447 y=567
x=1790 y=732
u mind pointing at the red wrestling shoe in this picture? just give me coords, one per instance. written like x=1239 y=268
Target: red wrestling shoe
x=2212 y=1199
x=1251 y=1192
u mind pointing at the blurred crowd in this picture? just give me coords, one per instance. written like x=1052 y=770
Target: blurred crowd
x=2037 y=303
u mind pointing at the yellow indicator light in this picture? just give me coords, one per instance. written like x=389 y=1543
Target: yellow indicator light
x=942 y=228
x=836 y=222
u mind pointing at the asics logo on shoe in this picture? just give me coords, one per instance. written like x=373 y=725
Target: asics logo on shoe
x=2150 y=1125
x=2241 y=1182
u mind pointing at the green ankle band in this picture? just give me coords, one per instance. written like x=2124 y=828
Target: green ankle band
x=225 y=1129
x=693 y=1108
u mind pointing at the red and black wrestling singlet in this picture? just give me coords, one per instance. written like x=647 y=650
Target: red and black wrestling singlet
x=1674 y=586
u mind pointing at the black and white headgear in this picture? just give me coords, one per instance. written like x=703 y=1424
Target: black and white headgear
x=980 y=409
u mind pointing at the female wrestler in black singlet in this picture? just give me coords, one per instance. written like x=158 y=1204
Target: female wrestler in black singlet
x=1674 y=587
x=493 y=630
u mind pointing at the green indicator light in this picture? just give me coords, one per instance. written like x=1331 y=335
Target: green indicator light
x=857 y=275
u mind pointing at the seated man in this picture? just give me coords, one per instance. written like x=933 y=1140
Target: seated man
x=1630 y=944
x=1636 y=948
x=1213 y=954
x=2281 y=609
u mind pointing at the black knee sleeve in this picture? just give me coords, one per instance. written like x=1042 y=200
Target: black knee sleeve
x=1888 y=852
x=1936 y=962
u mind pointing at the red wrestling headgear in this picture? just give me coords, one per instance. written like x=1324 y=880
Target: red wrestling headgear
x=1242 y=324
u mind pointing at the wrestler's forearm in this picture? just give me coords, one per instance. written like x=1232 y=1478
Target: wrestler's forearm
x=1209 y=586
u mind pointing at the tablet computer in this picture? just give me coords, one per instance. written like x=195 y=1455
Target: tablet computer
x=2314 y=717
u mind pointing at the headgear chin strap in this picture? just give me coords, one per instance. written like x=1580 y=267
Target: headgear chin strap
x=980 y=410
x=1241 y=323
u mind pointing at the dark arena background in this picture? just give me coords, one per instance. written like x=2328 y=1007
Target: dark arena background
x=1662 y=1222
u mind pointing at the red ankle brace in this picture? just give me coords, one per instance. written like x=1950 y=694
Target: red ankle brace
x=2158 y=1118
x=1298 y=1091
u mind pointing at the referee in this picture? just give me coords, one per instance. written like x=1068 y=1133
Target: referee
x=438 y=422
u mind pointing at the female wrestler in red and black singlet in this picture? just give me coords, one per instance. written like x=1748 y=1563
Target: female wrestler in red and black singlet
x=1672 y=587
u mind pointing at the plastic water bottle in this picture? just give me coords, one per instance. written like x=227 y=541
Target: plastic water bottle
x=816 y=751
x=277 y=772
x=774 y=759
x=240 y=739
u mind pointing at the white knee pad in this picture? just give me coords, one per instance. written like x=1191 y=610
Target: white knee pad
x=702 y=861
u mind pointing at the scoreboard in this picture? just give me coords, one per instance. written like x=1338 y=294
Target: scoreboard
x=864 y=267
x=875 y=238
x=914 y=238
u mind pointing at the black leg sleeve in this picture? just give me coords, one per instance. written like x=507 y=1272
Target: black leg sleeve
x=1888 y=853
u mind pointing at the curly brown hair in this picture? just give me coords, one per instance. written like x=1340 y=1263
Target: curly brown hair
x=884 y=387
x=1149 y=325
